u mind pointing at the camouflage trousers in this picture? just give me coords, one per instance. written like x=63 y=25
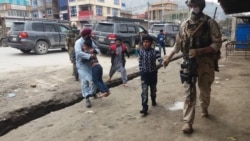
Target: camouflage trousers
x=205 y=79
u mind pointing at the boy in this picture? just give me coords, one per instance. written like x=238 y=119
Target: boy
x=118 y=60
x=97 y=70
x=148 y=71
x=161 y=41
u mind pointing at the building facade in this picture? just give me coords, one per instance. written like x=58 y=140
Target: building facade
x=12 y=10
x=47 y=9
x=91 y=11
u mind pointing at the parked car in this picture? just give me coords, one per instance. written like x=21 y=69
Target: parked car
x=37 y=35
x=105 y=34
x=91 y=26
x=170 y=30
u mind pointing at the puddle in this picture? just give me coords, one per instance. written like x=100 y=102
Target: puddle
x=176 y=106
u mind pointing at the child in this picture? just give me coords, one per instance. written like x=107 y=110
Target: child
x=97 y=70
x=161 y=41
x=148 y=71
x=118 y=61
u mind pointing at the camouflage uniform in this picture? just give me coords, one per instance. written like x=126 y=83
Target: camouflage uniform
x=70 y=42
x=3 y=31
x=208 y=35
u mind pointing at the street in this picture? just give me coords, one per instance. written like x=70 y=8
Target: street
x=44 y=103
x=12 y=60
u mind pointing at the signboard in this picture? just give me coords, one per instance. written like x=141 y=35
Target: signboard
x=17 y=2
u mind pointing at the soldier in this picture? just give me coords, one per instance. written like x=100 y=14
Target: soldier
x=199 y=39
x=72 y=36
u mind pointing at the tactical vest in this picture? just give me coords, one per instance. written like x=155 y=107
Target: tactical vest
x=200 y=39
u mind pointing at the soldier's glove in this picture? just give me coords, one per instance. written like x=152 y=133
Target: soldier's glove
x=166 y=61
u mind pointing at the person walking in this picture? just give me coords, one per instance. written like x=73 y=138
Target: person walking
x=97 y=70
x=148 y=71
x=161 y=41
x=84 y=67
x=199 y=39
x=118 y=61
x=70 y=42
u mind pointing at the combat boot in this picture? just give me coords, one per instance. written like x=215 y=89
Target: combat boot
x=187 y=128
x=204 y=112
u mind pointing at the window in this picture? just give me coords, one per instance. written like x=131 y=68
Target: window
x=73 y=11
x=141 y=29
x=17 y=26
x=131 y=29
x=105 y=28
x=100 y=0
x=117 y=2
x=115 y=12
x=108 y=10
x=49 y=12
x=37 y=26
x=50 y=28
x=48 y=1
x=63 y=29
x=99 y=10
x=123 y=28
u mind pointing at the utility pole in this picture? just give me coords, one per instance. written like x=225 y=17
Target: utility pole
x=162 y=13
x=148 y=14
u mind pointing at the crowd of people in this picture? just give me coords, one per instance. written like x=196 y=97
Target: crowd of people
x=199 y=39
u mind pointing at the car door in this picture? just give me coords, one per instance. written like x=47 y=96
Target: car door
x=122 y=31
x=52 y=35
x=133 y=34
x=63 y=30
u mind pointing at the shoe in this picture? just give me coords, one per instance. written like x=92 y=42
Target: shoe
x=187 y=128
x=144 y=112
x=204 y=112
x=154 y=103
x=88 y=103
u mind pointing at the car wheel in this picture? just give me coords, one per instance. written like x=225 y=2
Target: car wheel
x=25 y=50
x=41 y=47
x=171 y=42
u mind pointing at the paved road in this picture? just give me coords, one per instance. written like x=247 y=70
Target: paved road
x=12 y=59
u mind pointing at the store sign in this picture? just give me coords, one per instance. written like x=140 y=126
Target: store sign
x=18 y=7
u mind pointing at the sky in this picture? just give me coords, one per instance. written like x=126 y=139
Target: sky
x=215 y=1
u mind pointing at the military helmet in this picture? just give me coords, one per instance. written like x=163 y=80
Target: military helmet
x=201 y=3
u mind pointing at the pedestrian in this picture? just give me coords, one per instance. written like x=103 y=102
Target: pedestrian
x=97 y=70
x=161 y=41
x=148 y=71
x=118 y=61
x=199 y=39
x=84 y=67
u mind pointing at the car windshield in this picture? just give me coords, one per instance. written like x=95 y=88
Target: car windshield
x=17 y=27
x=103 y=27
